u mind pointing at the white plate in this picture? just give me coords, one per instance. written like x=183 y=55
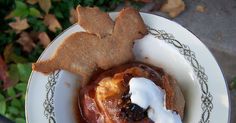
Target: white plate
x=168 y=45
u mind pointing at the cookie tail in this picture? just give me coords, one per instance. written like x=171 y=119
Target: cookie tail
x=45 y=67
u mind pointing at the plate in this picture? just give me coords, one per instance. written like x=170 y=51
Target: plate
x=168 y=45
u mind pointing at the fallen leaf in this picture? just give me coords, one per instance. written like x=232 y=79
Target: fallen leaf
x=10 y=15
x=200 y=8
x=173 y=7
x=10 y=56
x=26 y=42
x=3 y=74
x=34 y=35
x=7 y=52
x=32 y=2
x=73 y=16
x=19 y=25
x=45 y=5
x=44 y=39
x=52 y=22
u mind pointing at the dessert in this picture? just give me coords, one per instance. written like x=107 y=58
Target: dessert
x=132 y=92
x=125 y=91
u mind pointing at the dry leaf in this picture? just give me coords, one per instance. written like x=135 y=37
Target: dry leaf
x=34 y=35
x=44 y=39
x=26 y=42
x=3 y=74
x=10 y=15
x=200 y=8
x=73 y=16
x=173 y=7
x=7 y=52
x=32 y=2
x=10 y=56
x=45 y=5
x=52 y=22
x=19 y=25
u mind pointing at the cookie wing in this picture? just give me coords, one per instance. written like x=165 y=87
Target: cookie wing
x=129 y=25
x=95 y=21
x=75 y=54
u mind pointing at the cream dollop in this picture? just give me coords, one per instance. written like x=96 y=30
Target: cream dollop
x=147 y=94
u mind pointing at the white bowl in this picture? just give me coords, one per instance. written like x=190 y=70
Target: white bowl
x=168 y=45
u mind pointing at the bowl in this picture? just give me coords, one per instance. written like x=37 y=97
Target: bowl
x=50 y=98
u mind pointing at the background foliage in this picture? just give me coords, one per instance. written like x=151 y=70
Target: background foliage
x=26 y=28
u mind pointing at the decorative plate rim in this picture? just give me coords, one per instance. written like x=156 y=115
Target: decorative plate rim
x=165 y=34
x=30 y=78
x=189 y=55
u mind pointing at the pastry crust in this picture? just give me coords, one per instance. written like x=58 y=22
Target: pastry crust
x=102 y=46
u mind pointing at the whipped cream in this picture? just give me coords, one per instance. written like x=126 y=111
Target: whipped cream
x=147 y=94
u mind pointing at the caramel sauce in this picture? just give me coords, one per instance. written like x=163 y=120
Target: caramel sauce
x=77 y=109
x=99 y=74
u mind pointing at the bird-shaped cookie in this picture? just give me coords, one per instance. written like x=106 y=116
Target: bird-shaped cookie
x=104 y=44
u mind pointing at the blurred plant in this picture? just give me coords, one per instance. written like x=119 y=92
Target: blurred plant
x=26 y=28
x=233 y=84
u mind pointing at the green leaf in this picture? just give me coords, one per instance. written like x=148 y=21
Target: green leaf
x=37 y=24
x=233 y=83
x=58 y=14
x=34 y=12
x=17 y=59
x=35 y=53
x=88 y=2
x=2 y=107
x=11 y=92
x=20 y=5
x=2 y=98
x=21 y=9
x=24 y=71
x=20 y=120
x=21 y=87
x=16 y=103
x=13 y=110
x=22 y=114
x=22 y=98
x=9 y=116
x=100 y=2
x=13 y=73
